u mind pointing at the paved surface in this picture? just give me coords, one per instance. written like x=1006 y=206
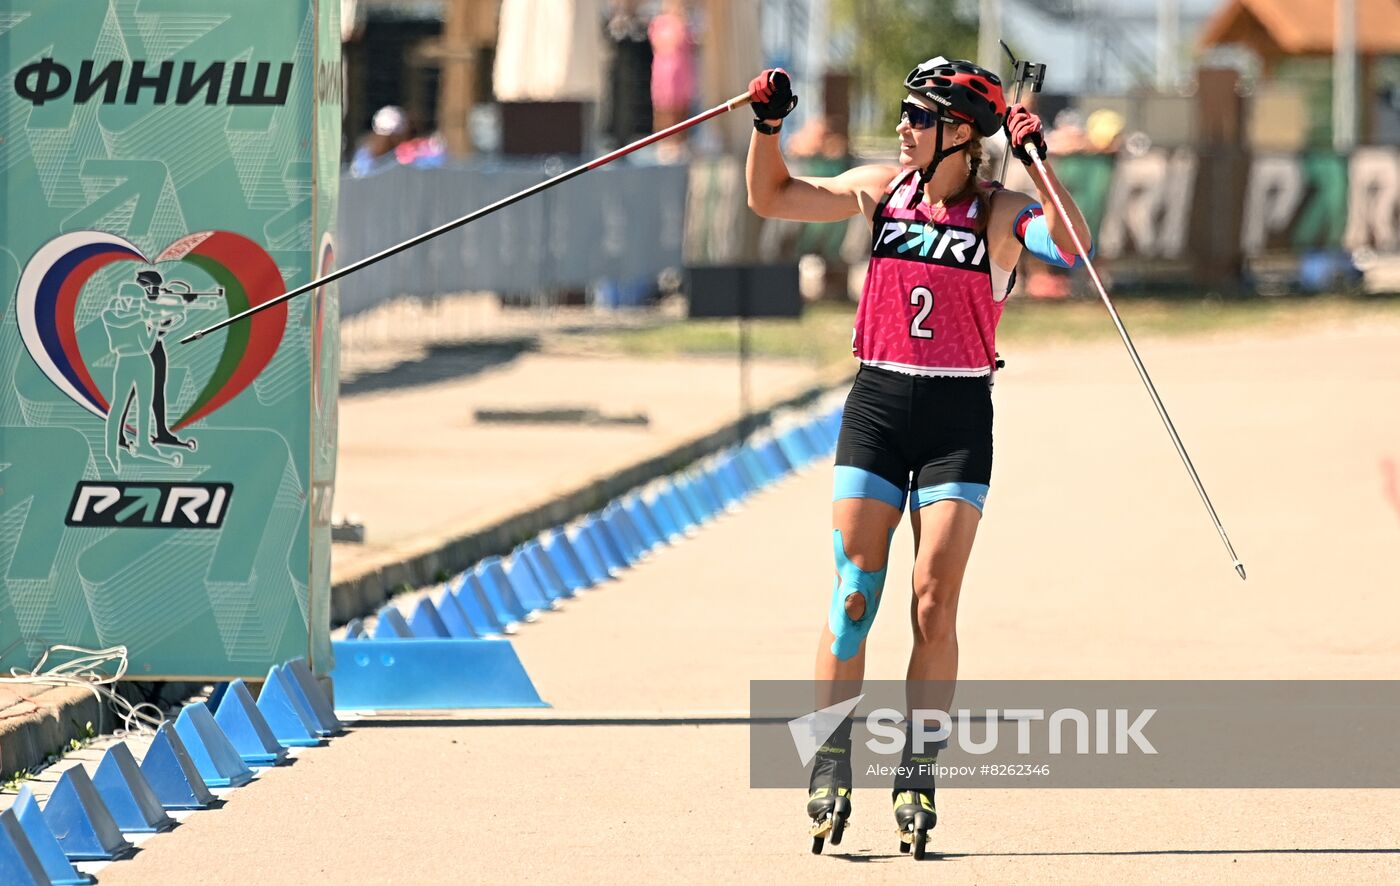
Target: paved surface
x=452 y=474
x=1095 y=560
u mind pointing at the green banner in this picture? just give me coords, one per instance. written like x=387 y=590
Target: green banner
x=166 y=164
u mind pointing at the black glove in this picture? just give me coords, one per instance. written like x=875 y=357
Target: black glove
x=770 y=95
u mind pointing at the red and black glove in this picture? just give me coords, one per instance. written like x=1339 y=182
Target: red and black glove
x=1023 y=128
x=770 y=95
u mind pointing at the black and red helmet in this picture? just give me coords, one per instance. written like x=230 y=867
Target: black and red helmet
x=962 y=88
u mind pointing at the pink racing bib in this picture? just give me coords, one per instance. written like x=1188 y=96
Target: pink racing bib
x=933 y=296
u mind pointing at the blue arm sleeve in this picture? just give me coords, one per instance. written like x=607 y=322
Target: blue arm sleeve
x=1034 y=235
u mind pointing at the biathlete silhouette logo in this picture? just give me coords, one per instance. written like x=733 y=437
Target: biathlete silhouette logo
x=136 y=314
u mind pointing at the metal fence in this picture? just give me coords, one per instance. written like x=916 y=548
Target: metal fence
x=619 y=223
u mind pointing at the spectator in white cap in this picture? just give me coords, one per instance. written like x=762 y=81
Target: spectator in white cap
x=389 y=128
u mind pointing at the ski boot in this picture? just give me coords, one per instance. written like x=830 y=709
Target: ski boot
x=915 y=816
x=914 y=812
x=829 y=793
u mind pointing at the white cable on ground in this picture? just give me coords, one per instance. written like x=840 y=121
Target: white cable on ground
x=86 y=671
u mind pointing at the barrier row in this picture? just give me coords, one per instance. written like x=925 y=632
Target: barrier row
x=211 y=744
x=417 y=660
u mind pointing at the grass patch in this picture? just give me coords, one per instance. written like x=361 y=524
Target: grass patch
x=823 y=335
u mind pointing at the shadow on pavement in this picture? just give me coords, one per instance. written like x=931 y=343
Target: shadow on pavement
x=1149 y=852
x=430 y=722
x=442 y=363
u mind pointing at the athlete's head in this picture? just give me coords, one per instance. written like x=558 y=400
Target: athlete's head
x=950 y=104
x=150 y=280
x=918 y=132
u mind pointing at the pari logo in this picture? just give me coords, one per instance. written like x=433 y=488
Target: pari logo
x=138 y=313
x=150 y=505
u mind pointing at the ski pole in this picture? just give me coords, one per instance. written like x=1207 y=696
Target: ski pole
x=1022 y=72
x=735 y=102
x=1132 y=352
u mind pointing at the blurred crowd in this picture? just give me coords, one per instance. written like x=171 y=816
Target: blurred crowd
x=649 y=83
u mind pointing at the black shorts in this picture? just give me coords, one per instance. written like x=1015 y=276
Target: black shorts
x=931 y=435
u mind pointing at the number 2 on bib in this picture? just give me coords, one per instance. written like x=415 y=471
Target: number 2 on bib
x=923 y=297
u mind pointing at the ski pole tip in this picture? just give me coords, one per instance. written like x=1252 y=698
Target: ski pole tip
x=1239 y=567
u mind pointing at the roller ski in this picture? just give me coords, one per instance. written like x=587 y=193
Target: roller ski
x=914 y=811
x=915 y=815
x=165 y=438
x=829 y=793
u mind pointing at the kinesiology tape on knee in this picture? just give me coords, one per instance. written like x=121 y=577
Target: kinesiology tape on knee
x=851 y=579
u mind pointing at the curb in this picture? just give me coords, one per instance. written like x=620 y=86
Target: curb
x=362 y=595
x=61 y=714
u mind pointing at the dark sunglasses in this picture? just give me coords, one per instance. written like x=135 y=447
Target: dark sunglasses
x=920 y=117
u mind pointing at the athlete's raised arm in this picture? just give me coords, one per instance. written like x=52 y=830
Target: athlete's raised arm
x=1036 y=225
x=776 y=193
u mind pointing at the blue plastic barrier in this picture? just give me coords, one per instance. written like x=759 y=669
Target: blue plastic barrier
x=391 y=624
x=128 y=795
x=778 y=459
x=753 y=468
x=589 y=554
x=696 y=497
x=689 y=502
x=172 y=774
x=80 y=820
x=633 y=548
x=471 y=596
x=546 y=576
x=739 y=484
x=454 y=618
x=711 y=490
x=214 y=755
x=559 y=548
x=527 y=587
x=216 y=695
x=284 y=711
x=19 y=864
x=426 y=623
x=57 y=869
x=670 y=499
x=794 y=447
x=647 y=531
x=238 y=716
x=389 y=675
x=606 y=545
x=500 y=595
x=312 y=696
x=621 y=530
x=661 y=516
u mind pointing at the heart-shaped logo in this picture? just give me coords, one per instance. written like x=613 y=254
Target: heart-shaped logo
x=244 y=275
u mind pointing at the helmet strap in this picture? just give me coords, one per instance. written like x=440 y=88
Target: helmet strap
x=939 y=155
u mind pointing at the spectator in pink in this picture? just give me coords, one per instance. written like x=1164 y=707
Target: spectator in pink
x=673 y=64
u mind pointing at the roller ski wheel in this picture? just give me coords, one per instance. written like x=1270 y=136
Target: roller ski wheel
x=915 y=816
x=829 y=816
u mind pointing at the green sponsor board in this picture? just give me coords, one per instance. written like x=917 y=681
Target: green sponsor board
x=165 y=164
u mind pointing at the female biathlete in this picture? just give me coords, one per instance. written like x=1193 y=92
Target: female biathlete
x=917 y=425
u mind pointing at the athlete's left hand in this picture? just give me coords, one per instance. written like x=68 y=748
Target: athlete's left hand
x=1024 y=128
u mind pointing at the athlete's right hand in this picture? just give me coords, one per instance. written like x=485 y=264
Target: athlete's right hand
x=770 y=95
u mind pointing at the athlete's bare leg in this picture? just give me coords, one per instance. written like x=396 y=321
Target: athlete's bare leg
x=943 y=535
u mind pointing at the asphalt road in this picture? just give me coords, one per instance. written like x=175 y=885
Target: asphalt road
x=1095 y=560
